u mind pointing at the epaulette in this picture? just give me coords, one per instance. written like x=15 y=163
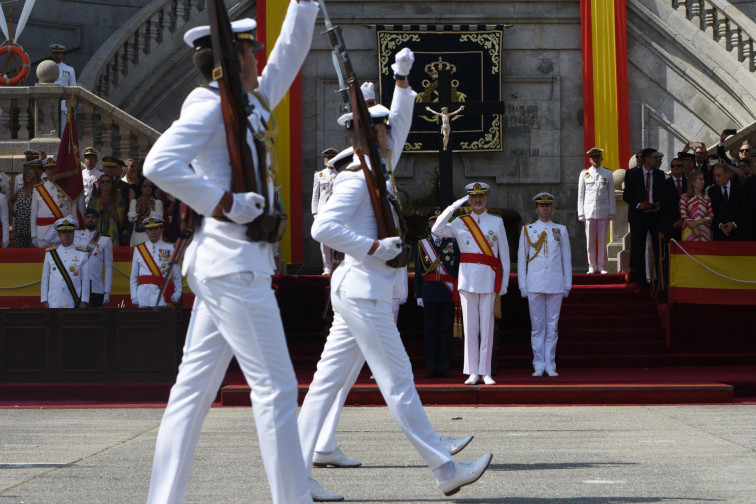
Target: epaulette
x=82 y=249
x=51 y=248
x=558 y=223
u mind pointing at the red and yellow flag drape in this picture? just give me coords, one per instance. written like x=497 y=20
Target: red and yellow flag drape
x=288 y=143
x=605 y=100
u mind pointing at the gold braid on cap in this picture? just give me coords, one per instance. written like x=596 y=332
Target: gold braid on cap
x=267 y=135
x=538 y=245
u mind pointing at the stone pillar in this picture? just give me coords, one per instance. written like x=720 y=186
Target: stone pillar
x=619 y=230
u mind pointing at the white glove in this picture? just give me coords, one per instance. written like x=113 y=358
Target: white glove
x=135 y=302
x=175 y=299
x=106 y=299
x=246 y=207
x=420 y=303
x=368 y=90
x=524 y=293
x=402 y=300
x=566 y=293
x=581 y=218
x=404 y=60
x=35 y=242
x=503 y=291
x=388 y=248
x=461 y=201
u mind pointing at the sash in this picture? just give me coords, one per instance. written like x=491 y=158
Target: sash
x=66 y=277
x=155 y=277
x=93 y=242
x=487 y=256
x=50 y=202
x=441 y=275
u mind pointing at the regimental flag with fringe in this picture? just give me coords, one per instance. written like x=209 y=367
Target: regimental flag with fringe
x=712 y=273
x=67 y=174
x=605 y=92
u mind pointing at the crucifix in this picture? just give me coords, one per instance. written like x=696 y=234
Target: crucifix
x=444 y=92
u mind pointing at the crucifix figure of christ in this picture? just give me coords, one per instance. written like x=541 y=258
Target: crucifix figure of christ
x=445 y=123
x=445 y=99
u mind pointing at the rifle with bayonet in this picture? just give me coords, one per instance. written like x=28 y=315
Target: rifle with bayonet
x=366 y=146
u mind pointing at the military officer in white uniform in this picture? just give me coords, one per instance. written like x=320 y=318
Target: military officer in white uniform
x=66 y=77
x=49 y=202
x=483 y=273
x=100 y=250
x=4 y=221
x=148 y=268
x=65 y=278
x=235 y=311
x=544 y=274
x=90 y=174
x=321 y=191
x=596 y=207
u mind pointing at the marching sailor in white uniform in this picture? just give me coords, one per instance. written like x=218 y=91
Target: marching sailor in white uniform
x=65 y=278
x=148 y=268
x=483 y=273
x=596 y=207
x=544 y=274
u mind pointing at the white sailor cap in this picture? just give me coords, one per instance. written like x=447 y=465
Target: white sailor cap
x=476 y=188
x=544 y=198
x=199 y=37
x=378 y=113
x=67 y=223
x=595 y=151
x=152 y=222
x=368 y=91
x=340 y=160
x=57 y=47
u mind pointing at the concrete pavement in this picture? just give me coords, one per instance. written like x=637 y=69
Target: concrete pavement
x=542 y=455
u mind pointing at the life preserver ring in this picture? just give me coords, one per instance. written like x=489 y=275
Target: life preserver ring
x=25 y=64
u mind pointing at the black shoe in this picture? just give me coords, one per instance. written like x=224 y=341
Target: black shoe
x=446 y=374
x=431 y=374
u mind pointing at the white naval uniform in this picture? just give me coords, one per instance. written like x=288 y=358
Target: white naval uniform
x=89 y=178
x=476 y=283
x=546 y=279
x=4 y=221
x=5 y=184
x=596 y=207
x=66 y=77
x=400 y=118
x=100 y=264
x=54 y=289
x=362 y=288
x=322 y=186
x=146 y=295
x=40 y=210
x=235 y=311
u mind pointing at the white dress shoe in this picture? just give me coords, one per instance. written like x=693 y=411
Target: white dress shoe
x=488 y=380
x=537 y=372
x=336 y=458
x=454 y=446
x=591 y=271
x=320 y=494
x=464 y=474
x=604 y=272
x=552 y=372
x=472 y=380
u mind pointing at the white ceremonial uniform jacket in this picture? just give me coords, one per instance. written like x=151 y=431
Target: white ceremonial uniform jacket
x=146 y=294
x=54 y=289
x=550 y=271
x=596 y=194
x=89 y=177
x=40 y=209
x=100 y=265
x=198 y=138
x=4 y=220
x=67 y=76
x=477 y=278
x=5 y=185
x=322 y=187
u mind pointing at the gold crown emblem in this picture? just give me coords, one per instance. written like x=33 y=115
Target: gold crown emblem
x=434 y=68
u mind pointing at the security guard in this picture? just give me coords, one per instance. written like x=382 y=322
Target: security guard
x=483 y=273
x=321 y=190
x=544 y=273
x=65 y=277
x=596 y=207
x=148 y=268
x=100 y=250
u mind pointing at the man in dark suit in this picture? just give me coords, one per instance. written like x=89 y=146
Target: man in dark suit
x=728 y=200
x=674 y=187
x=644 y=194
x=436 y=270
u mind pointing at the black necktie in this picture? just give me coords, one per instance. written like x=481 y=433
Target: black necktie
x=724 y=188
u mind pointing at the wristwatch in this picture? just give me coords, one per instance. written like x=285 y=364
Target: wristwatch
x=400 y=77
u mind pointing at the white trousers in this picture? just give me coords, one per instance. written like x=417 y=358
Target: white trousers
x=478 y=323
x=326 y=442
x=544 y=317
x=595 y=239
x=327 y=255
x=365 y=327
x=236 y=315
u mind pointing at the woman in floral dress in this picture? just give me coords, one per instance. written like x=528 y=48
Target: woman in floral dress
x=23 y=202
x=695 y=210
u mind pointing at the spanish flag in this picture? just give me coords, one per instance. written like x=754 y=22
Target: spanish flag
x=605 y=95
x=288 y=142
x=712 y=273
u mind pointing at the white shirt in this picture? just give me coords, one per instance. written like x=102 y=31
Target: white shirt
x=596 y=194
x=198 y=138
x=550 y=271
x=54 y=290
x=100 y=260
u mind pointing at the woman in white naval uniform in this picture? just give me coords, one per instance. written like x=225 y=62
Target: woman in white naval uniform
x=544 y=275
x=235 y=311
x=596 y=207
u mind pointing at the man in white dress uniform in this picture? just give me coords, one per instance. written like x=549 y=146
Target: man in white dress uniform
x=235 y=311
x=595 y=208
x=50 y=203
x=148 y=268
x=321 y=190
x=65 y=278
x=544 y=274
x=66 y=77
x=483 y=273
